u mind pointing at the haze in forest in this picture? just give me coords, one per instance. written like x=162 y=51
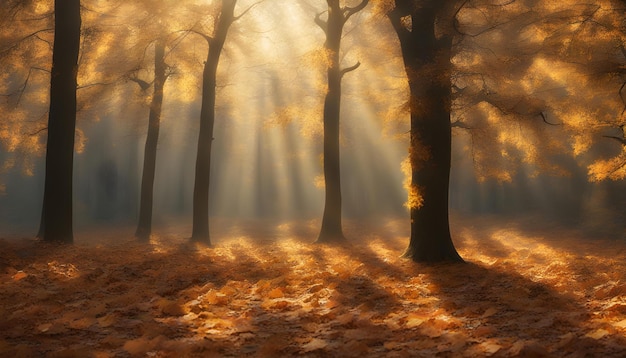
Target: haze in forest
x=514 y=150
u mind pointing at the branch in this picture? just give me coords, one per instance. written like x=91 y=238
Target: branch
x=22 y=88
x=349 y=11
x=16 y=43
x=208 y=38
x=545 y=119
x=321 y=23
x=459 y=124
x=455 y=18
x=350 y=69
x=143 y=84
x=621 y=140
x=95 y=84
x=38 y=131
x=246 y=10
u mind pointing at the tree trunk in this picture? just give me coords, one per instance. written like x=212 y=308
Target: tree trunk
x=57 y=213
x=331 y=230
x=427 y=62
x=144 y=226
x=200 y=231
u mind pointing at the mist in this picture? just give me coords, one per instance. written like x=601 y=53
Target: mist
x=273 y=159
x=267 y=154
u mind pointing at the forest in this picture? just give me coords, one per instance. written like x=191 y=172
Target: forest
x=272 y=178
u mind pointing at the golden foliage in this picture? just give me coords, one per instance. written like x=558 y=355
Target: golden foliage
x=414 y=198
x=614 y=168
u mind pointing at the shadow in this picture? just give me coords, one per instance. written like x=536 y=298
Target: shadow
x=272 y=294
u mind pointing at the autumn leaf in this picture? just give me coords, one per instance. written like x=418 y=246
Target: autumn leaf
x=620 y=324
x=490 y=347
x=314 y=345
x=276 y=293
x=414 y=320
x=597 y=334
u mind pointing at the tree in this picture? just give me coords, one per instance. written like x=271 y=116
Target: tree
x=509 y=123
x=426 y=56
x=144 y=226
x=333 y=28
x=222 y=23
x=57 y=202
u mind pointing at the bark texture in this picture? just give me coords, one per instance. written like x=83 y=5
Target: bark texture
x=144 y=226
x=56 y=223
x=200 y=231
x=426 y=54
x=331 y=230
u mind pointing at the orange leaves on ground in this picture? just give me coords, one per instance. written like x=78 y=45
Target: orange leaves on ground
x=524 y=294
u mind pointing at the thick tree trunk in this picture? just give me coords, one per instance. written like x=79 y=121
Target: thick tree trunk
x=57 y=212
x=200 y=231
x=427 y=61
x=144 y=226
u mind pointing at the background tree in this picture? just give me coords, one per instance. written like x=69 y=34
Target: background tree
x=25 y=57
x=223 y=20
x=144 y=225
x=333 y=28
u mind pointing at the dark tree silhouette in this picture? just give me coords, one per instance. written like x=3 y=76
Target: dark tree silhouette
x=333 y=28
x=223 y=20
x=144 y=226
x=56 y=223
x=426 y=55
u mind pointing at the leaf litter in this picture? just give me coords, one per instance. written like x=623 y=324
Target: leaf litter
x=266 y=290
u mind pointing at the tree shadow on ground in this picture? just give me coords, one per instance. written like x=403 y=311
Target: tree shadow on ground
x=284 y=297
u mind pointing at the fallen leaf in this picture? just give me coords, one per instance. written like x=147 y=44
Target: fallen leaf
x=19 y=276
x=107 y=321
x=391 y=345
x=489 y=312
x=414 y=320
x=314 y=345
x=276 y=293
x=490 y=348
x=597 y=334
x=620 y=324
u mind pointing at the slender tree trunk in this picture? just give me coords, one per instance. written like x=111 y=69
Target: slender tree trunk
x=331 y=230
x=200 y=231
x=57 y=212
x=427 y=62
x=331 y=221
x=144 y=226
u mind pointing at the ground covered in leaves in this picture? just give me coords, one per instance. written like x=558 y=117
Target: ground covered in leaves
x=265 y=290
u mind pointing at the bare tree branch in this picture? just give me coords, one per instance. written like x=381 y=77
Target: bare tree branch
x=545 y=119
x=143 y=84
x=38 y=131
x=350 y=69
x=621 y=139
x=349 y=11
x=246 y=10
x=459 y=124
x=208 y=38
x=17 y=43
x=321 y=23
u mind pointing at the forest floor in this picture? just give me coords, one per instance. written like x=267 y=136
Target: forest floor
x=267 y=290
